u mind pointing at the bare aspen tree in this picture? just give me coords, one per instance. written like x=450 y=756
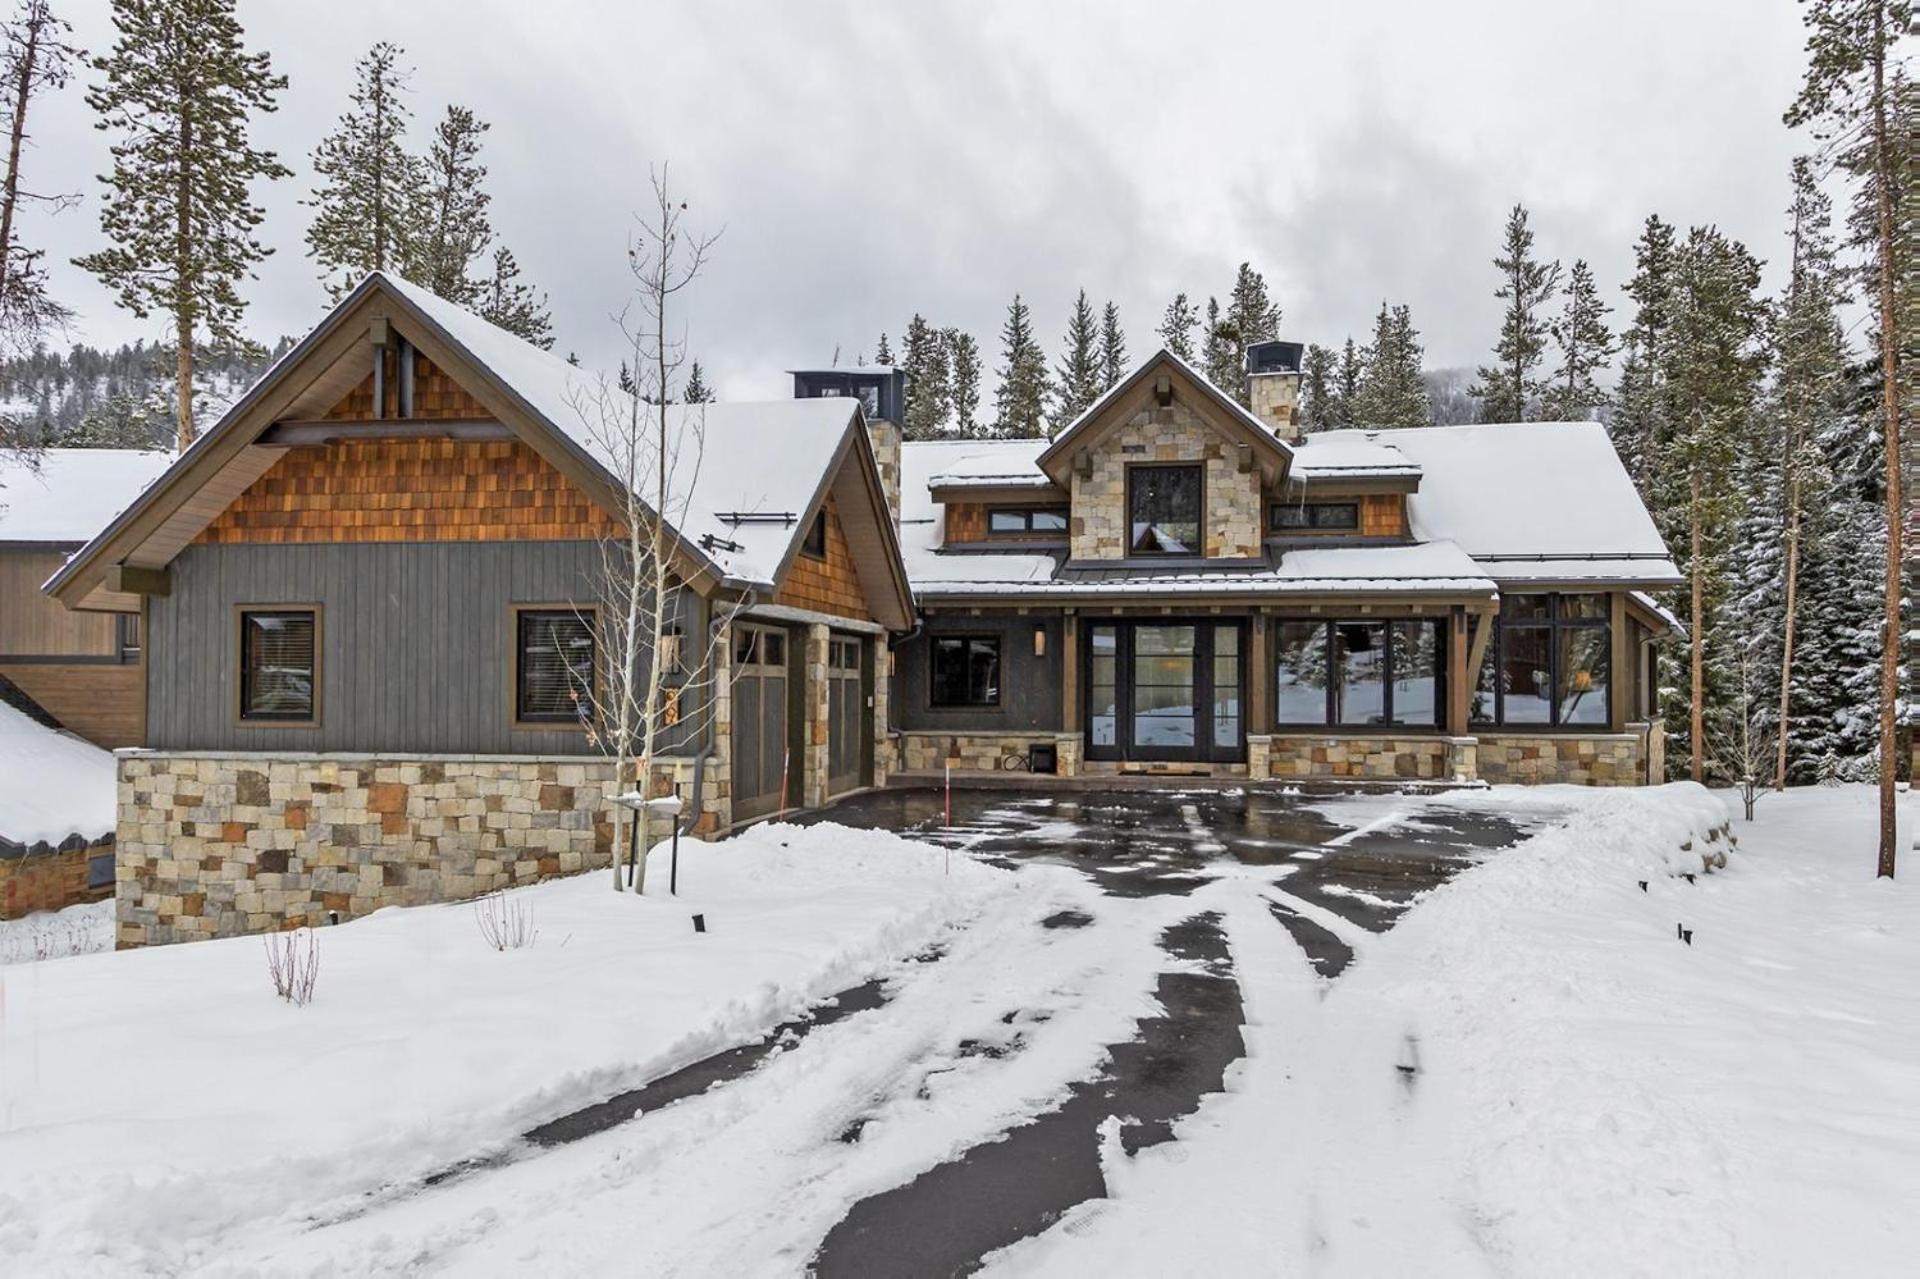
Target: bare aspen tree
x=656 y=681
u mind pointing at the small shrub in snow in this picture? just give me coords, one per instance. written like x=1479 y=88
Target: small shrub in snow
x=506 y=924
x=293 y=961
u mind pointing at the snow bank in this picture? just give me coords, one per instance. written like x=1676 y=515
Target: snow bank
x=1533 y=1074
x=150 y=1098
x=52 y=784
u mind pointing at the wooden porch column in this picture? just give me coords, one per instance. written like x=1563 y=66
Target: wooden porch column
x=1620 y=656
x=1259 y=708
x=1468 y=635
x=1069 y=672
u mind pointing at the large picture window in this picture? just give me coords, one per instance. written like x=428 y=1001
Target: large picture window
x=1548 y=663
x=965 y=671
x=554 y=666
x=1358 y=674
x=279 y=651
x=1163 y=510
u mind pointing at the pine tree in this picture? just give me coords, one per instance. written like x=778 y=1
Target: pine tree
x=451 y=228
x=963 y=374
x=1710 y=371
x=1251 y=314
x=1077 y=376
x=1584 y=342
x=1318 y=411
x=696 y=390
x=1346 y=386
x=179 y=217
x=1224 y=360
x=35 y=58
x=925 y=360
x=514 y=306
x=883 y=354
x=1177 y=325
x=1859 y=98
x=1021 y=401
x=627 y=385
x=1113 y=348
x=1507 y=389
x=369 y=184
x=1638 y=424
x=1392 y=391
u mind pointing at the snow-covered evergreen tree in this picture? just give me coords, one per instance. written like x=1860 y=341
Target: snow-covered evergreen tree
x=1253 y=315
x=1583 y=341
x=1508 y=388
x=1318 y=411
x=1113 y=347
x=370 y=187
x=1077 y=375
x=1346 y=385
x=1637 y=422
x=35 y=58
x=963 y=379
x=1222 y=358
x=924 y=357
x=179 y=217
x=518 y=308
x=883 y=354
x=451 y=228
x=697 y=391
x=1392 y=391
x=1020 y=403
x=1176 y=327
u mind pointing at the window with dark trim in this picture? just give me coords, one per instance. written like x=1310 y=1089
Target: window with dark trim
x=964 y=670
x=1548 y=664
x=1360 y=673
x=1313 y=517
x=277 y=665
x=815 y=542
x=1018 y=521
x=553 y=681
x=1163 y=510
x=127 y=635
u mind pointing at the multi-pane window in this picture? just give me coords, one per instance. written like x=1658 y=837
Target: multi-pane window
x=759 y=646
x=1547 y=663
x=278 y=649
x=1359 y=673
x=1163 y=510
x=554 y=666
x=1313 y=517
x=1014 y=521
x=965 y=671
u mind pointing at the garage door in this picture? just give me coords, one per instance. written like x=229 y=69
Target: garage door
x=760 y=760
x=846 y=719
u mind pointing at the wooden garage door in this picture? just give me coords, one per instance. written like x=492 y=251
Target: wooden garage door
x=845 y=714
x=760 y=760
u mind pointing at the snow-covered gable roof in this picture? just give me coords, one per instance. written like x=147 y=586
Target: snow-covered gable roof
x=72 y=493
x=987 y=464
x=1335 y=455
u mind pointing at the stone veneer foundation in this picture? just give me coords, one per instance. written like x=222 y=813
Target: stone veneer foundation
x=1584 y=759
x=984 y=752
x=217 y=845
x=1361 y=757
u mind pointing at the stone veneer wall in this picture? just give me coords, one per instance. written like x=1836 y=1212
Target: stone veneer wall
x=1584 y=759
x=983 y=752
x=1174 y=434
x=216 y=845
x=48 y=876
x=1362 y=757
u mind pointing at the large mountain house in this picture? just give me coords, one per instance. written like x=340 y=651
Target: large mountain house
x=368 y=593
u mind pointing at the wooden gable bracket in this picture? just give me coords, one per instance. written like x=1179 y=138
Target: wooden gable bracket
x=1083 y=464
x=1244 y=456
x=1163 y=391
x=126 y=579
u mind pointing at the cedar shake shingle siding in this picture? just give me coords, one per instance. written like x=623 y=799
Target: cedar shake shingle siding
x=831 y=585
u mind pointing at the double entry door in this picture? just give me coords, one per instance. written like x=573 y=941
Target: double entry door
x=1165 y=690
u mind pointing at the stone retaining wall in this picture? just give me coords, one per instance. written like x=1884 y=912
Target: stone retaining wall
x=1584 y=759
x=984 y=752
x=51 y=876
x=220 y=845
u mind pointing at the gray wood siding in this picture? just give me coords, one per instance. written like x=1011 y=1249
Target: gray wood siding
x=415 y=647
x=1029 y=685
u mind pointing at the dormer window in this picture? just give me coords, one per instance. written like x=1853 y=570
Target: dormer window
x=1163 y=510
x=1024 y=521
x=1314 y=517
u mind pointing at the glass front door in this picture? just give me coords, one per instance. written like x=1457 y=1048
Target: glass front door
x=1165 y=691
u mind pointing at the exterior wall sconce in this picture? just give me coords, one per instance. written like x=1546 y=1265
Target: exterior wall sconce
x=1039 y=639
x=670 y=645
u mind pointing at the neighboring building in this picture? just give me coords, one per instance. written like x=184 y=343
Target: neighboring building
x=77 y=671
x=1174 y=584
x=371 y=593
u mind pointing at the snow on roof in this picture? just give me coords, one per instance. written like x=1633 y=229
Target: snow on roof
x=984 y=464
x=52 y=784
x=1531 y=499
x=1334 y=454
x=872 y=370
x=74 y=493
x=764 y=458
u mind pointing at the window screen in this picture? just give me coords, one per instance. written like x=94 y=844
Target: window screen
x=554 y=680
x=277 y=665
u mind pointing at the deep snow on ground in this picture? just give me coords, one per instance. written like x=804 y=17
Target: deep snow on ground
x=151 y=1099
x=1532 y=1074
x=54 y=934
x=52 y=784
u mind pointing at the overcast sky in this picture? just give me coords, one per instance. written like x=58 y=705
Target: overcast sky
x=869 y=160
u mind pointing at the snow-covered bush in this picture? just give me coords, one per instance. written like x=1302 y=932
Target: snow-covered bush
x=293 y=961
x=505 y=923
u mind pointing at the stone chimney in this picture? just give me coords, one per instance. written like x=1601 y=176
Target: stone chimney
x=881 y=391
x=1273 y=386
